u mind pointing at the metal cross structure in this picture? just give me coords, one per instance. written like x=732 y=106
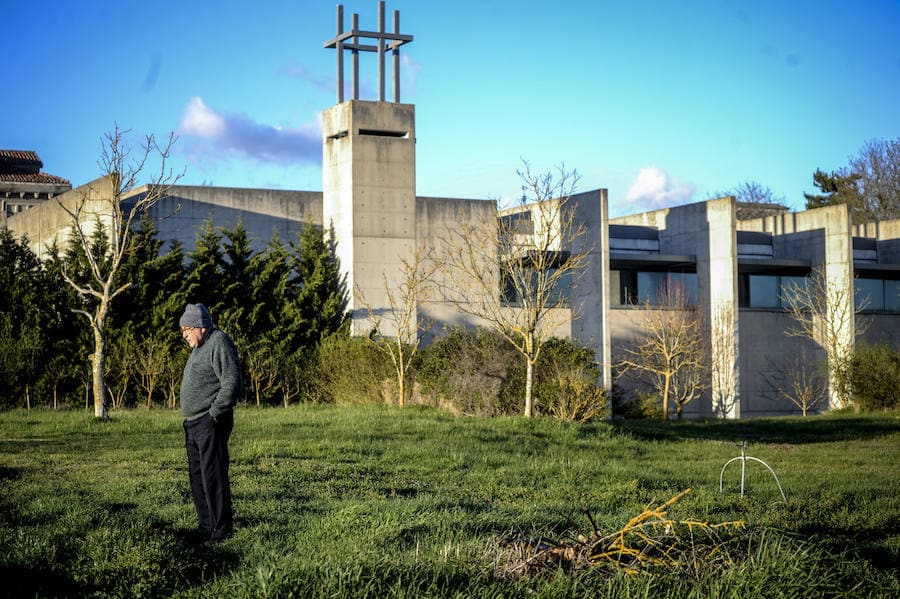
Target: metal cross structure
x=350 y=40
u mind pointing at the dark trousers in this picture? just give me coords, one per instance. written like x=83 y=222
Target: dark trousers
x=207 y=450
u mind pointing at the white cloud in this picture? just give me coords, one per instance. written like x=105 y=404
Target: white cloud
x=217 y=136
x=653 y=188
x=199 y=120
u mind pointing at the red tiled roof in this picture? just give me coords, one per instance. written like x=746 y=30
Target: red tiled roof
x=33 y=178
x=24 y=166
x=19 y=155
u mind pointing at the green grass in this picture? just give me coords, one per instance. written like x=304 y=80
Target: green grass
x=382 y=502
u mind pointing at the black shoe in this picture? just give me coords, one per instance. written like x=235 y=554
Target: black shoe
x=218 y=537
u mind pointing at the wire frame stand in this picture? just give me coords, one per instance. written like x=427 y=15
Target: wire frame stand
x=744 y=458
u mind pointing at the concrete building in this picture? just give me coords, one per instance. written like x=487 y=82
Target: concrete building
x=739 y=272
x=735 y=271
x=23 y=185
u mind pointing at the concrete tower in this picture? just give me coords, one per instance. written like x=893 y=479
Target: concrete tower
x=369 y=175
x=369 y=197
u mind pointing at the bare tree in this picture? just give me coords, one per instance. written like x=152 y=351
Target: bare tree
x=823 y=311
x=58 y=370
x=878 y=166
x=801 y=384
x=262 y=367
x=123 y=353
x=754 y=200
x=150 y=364
x=670 y=351
x=293 y=379
x=172 y=376
x=723 y=360
x=402 y=314
x=104 y=204
x=512 y=274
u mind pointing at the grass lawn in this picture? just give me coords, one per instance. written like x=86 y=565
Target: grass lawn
x=385 y=502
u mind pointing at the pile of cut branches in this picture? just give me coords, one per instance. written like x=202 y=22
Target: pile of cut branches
x=651 y=540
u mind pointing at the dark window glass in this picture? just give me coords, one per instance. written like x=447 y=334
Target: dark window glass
x=651 y=287
x=869 y=294
x=628 y=285
x=632 y=287
x=790 y=286
x=892 y=296
x=558 y=295
x=764 y=291
x=684 y=283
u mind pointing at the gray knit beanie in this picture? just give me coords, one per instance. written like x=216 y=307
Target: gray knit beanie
x=196 y=315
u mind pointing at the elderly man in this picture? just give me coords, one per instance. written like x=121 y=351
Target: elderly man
x=209 y=391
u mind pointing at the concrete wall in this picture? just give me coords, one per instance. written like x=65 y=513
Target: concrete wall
x=771 y=359
x=437 y=222
x=263 y=213
x=626 y=328
x=706 y=232
x=887 y=235
x=49 y=222
x=180 y=215
x=821 y=237
x=589 y=297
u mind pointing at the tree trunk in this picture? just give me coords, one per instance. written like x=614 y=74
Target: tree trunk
x=98 y=358
x=400 y=367
x=529 y=388
x=665 y=397
x=98 y=371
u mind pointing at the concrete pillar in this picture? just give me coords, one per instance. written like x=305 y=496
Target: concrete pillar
x=717 y=272
x=838 y=265
x=590 y=297
x=369 y=197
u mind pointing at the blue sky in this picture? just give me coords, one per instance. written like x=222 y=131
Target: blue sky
x=660 y=102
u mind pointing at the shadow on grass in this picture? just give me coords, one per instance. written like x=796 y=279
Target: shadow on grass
x=7 y=473
x=35 y=581
x=768 y=430
x=117 y=551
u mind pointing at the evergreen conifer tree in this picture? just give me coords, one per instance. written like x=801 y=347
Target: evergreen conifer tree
x=203 y=282
x=322 y=299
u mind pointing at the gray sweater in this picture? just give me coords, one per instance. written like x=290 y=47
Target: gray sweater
x=212 y=378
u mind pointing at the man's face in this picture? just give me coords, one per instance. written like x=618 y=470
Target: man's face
x=192 y=335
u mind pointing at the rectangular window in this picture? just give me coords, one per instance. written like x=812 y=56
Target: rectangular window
x=869 y=294
x=651 y=287
x=633 y=287
x=558 y=296
x=877 y=295
x=768 y=291
x=764 y=291
x=684 y=283
x=628 y=295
